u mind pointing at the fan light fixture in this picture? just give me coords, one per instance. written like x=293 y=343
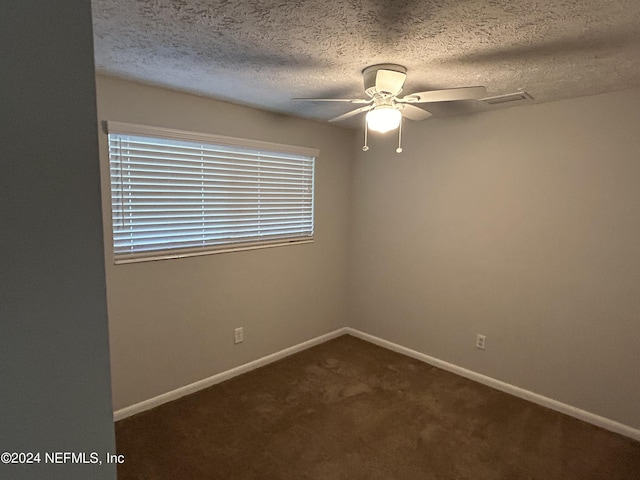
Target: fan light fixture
x=385 y=108
x=383 y=118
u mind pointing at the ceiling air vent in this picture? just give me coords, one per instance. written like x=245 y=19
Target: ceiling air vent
x=506 y=98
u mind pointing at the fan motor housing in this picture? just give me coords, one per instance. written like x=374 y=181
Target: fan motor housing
x=370 y=78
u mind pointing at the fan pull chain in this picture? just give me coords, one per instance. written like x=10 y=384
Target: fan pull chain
x=399 y=149
x=365 y=147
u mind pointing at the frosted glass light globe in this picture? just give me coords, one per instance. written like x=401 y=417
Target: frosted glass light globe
x=383 y=118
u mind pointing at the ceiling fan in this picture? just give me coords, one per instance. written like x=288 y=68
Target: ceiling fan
x=385 y=108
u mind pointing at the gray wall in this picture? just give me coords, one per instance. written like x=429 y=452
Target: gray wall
x=54 y=359
x=171 y=321
x=521 y=224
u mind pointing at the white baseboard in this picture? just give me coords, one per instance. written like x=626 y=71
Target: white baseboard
x=221 y=377
x=583 y=415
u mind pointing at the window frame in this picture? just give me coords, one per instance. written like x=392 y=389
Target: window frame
x=121 y=128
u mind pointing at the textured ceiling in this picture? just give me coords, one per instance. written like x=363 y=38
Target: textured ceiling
x=264 y=52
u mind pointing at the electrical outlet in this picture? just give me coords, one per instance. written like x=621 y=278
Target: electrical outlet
x=238 y=335
x=481 y=340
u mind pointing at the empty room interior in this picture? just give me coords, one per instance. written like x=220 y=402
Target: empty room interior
x=457 y=297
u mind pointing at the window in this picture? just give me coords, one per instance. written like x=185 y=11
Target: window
x=176 y=194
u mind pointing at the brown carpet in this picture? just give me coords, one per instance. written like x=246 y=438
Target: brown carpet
x=348 y=409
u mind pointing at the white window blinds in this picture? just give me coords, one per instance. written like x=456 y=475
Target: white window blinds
x=177 y=193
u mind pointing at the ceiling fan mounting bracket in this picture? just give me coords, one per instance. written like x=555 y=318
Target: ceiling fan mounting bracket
x=384 y=79
x=384 y=66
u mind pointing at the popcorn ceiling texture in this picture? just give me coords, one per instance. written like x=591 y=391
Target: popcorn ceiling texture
x=264 y=52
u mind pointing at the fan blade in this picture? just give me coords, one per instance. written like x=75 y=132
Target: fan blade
x=414 y=113
x=351 y=113
x=388 y=81
x=350 y=100
x=462 y=93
